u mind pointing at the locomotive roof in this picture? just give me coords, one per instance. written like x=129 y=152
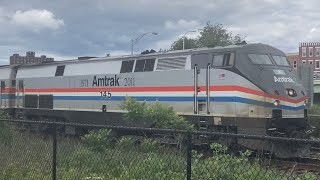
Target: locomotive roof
x=153 y=55
x=4 y=66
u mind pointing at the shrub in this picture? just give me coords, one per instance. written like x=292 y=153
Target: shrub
x=136 y=110
x=126 y=143
x=98 y=140
x=163 y=116
x=149 y=145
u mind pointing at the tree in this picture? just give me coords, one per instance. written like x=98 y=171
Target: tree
x=188 y=44
x=217 y=35
x=210 y=36
x=148 y=52
x=239 y=39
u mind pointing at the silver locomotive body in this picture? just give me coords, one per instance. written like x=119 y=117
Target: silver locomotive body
x=247 y=89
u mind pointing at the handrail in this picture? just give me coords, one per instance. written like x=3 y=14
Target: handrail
x=195 y=104
x=208 y=87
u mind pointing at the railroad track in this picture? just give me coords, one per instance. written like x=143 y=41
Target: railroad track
x=301 y=166
x=294 y=165
x=315 y=149
x=315 y=152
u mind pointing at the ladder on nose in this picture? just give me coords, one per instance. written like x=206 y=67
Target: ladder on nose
x=199 y=99
x=1 y=96
x=3 y=100
x=202 y=100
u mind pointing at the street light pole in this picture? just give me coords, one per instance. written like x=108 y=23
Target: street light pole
x=184 y=36
x=138 y=38
x=131 y=47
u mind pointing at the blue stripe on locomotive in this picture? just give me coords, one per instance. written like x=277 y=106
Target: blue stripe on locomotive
x=180 y=99
x=169 y=99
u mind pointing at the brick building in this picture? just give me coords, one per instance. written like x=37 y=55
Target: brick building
x=309 y=53
x=30 y=58
x=293 y=59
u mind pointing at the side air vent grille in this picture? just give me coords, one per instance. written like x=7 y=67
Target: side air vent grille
x=171 y=63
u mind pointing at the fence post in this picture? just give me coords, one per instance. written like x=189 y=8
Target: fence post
x=54 y=151
x=189 y=155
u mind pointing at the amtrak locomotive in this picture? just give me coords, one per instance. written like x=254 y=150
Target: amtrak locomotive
x=248 y=89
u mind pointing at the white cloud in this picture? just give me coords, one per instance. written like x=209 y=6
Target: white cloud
x=163 y=44
x=313 y=30
x=181 y=24
x=123 y=39
x=37 y=19
x=101 y=27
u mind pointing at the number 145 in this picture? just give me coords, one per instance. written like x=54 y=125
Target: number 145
x=105 y=94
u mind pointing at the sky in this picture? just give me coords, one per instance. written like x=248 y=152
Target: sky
x=66 y=29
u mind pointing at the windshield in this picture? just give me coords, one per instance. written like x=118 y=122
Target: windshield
x=260 y=59
x=281 y=60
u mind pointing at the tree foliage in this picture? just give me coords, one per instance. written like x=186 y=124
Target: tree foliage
x=214 y=35
x=188 y=43
x=210 y=36
x=148 y=52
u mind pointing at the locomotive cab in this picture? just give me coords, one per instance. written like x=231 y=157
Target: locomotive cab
x=268 y=68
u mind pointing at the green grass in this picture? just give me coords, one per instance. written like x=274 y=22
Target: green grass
x=25 y=157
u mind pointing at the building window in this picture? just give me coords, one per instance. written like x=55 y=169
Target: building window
x=310 y=51
x=317 y=64
x=310 y=61
x=304 y=61
x=295 y=64
x=318 y=51
x=304 y=51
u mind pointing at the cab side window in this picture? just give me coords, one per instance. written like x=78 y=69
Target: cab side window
x=201 y=60
x=218 y=60
x=3 y=85
x=225 y=59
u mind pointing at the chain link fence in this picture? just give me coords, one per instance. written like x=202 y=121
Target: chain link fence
x=144 y=153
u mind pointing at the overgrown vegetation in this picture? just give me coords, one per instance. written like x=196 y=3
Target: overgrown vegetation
x=125 y=159
x=98 y=155
x=6 y=130
x=315 y=121
x=162 y=116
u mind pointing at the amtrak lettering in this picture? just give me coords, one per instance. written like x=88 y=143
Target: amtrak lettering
x=106 y=81
x=112 y=81
x=283 y=79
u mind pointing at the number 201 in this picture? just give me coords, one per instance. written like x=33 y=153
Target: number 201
x=105 y=94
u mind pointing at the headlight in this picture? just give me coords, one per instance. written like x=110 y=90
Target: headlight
x=291 y=92
x=276 y=103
